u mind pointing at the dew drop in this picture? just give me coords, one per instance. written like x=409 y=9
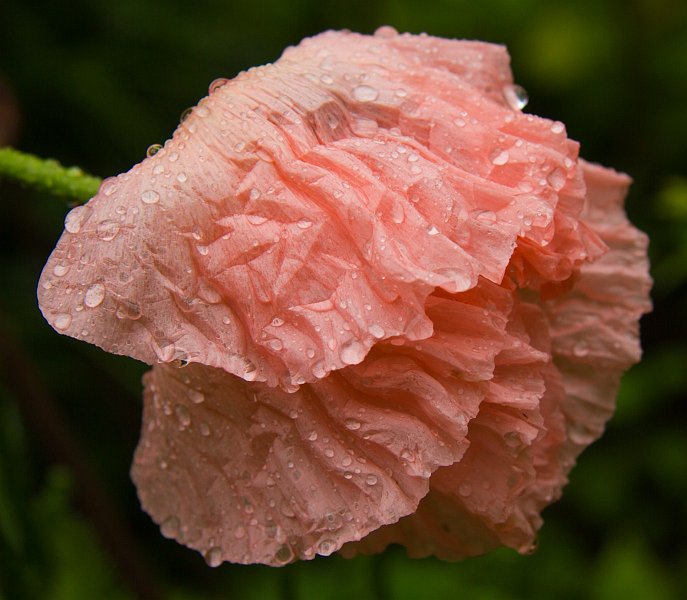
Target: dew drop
x=326 y=79
x=183 y=416
x=556 y=179
x=432 y=230
x=500 y=157
x=326 y=547
x=464 y=489
x=557 y=127
x=153 y=149
x=254 y=194
x=516 y=96
x=196 y=396
x=352 y=424
x=240 y=532
x=329 y=453
x=251 y=372
x=213 y=557
x=377 y=331
x=397 y=213
x=107 y=230
x=173 y=157
x=365 y=93
x=283 y=554
x=216 y=84
x=72 y=222
x=485 y=216
x=181 y=177
x=352 y=353
x=60 y=270
x=371 y=479
x=581 y=349
x=170 y=527
x=63 y=321
x=94 y=295
x=202 y=250
x=150 y=197
x=304 y=224
x=277 y=322
x=312 y=436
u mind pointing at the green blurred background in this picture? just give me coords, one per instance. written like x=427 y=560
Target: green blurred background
x=97 y=82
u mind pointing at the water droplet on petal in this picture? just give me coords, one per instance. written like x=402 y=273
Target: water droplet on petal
x=432 y=230
x=216 y=84
x=283 y=554
x=107 y=230
x=183 y=416
x=365 y=93
x=329 y=453
x=213 y=557
x=500 y=157
x=581 y=349
x=557 y=127
x=557 y=179
x=72 y=222
x=371 y=479
x=352 y=353
x=63 y=321
x=94 y=295
x=327 y=79
x=150 y=197
x=181 y=177
x=170 y=527
x=60 y=270
x=352 y=424
x=326 y=547
x=153 y=149
x=196 y=396
x=377 y=331
x=516 y=96
x=304 y=224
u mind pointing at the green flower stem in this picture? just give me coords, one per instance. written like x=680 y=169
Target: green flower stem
x=47 y=175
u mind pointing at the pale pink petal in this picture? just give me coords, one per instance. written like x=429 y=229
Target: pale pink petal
x=306 y=210
x=303 y=473
x=595 y=328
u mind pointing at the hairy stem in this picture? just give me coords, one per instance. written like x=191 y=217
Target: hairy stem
x=47 y=175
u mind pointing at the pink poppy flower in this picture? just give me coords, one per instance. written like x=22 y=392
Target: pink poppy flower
x=403 y=306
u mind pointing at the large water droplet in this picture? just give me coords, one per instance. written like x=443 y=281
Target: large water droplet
x=63 y=321
x=304 y=224
x=213 y=557
x=107 y=230
x=183 y=416
x=516 y=96
x=216 y=84
x=377 y=331
x=326 y=547
x=60 y=270
x=196 y=396
x=371 y=479
x=352 y=424
x=170 y=527
x=94 y=295
x=352 y=353
x=365 y=93
x=72 y=222
x=283 y=554
x=500 y=157
x=150 y=197
x=153 y=149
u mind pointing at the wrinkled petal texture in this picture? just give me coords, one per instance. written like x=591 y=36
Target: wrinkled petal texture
x=405 y=305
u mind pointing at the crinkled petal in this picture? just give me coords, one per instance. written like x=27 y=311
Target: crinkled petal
x=248 y=473
x=595 y=327
x=306 y=209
